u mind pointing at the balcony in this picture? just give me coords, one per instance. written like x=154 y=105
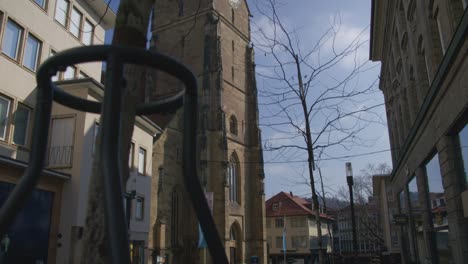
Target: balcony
x=59 y=157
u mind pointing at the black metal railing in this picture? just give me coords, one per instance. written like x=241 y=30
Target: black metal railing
x=115 y=58
x=59 y=156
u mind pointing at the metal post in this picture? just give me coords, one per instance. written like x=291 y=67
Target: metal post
x=349 y=179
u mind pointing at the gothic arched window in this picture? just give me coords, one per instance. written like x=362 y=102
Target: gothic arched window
x=233 y=177
x=233 y=125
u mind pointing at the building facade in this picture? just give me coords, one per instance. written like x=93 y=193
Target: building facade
x=422 y=46
x=50 y=226
x=290 y=222
x=212 y=37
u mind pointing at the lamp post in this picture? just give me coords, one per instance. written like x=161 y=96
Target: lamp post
x=349 y=179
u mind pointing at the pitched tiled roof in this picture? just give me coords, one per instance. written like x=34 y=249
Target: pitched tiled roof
x=289 y=205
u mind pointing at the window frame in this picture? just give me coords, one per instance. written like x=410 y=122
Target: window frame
x=44 y=5
x=72 y=24
x=7 y=117
x=19 y=43
x=38 y=51
x=139 y=199
x=84 y=31
x=66 y=22
x=26 y=130
x=144 y=160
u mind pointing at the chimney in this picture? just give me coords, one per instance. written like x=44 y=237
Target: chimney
x=290 y=193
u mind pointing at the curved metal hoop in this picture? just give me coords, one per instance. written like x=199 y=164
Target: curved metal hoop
x=115 y=56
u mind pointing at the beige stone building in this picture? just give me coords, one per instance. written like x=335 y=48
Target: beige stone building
x=50 y=227
x=423 y=49
x=212 y=37
x=292 y=215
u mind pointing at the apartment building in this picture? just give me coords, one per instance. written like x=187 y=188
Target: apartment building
x=50 y=226
x=422 y=47
x=293 y=216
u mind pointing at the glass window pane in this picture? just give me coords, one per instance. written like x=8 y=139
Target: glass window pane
x=41 y=3
x=139 y=208
x=463 y=135
x=11 y=39
x=31 y=52
x=61 y=11
x=21 y=125
x=88 y=33
x=4 y=112
x=414 y=203
x=75 y=24
x=141 y=161
x=69 y=73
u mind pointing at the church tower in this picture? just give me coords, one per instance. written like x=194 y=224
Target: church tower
x=212 y=37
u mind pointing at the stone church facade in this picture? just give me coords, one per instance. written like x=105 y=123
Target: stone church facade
x=212 y=37
x=423 y=49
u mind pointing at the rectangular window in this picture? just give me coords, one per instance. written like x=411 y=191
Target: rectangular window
x=75 y=22
x=299 y=241
x=298 y=221
x=279 y=222
x=4 y=113
x=31 y=52
x=12 y=39
x=141 y=160
x=131 y=155
x=95 y=132
x=41 y=3
x=463 y=137
x=87 y=34
x=21 y=125
x=279 y=242
x=69 y=73
x=61 y=11
x=61 y=142
x=139 y=208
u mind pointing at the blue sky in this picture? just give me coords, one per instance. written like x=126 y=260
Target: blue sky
x=311 y=18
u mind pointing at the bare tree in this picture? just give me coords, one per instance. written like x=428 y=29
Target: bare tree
x=315 y=108
x=130 y=30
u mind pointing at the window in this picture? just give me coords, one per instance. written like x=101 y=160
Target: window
x=61 y=11
x=69 y=73
x=233 y=179
x=4 y=113
x=141 y=161
x=439 y=214
x=275 y=207
x=463 y=136
x=41 y=3
x=279 y=222
x=131 y=155
x=31 y=52
x=299 y=241
x=21 y=125
x=96 y=132
x=61 y=142
x=415 y=206
x=75 y=24
x=174 y=218
x=233 y=125
x=279 y=242
x=139 y=208
x=87 y=34
x=298 y=221
x=12 y=39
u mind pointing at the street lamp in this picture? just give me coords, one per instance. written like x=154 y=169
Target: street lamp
x=349 y=179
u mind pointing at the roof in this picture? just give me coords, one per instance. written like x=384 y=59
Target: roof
x=290 y=205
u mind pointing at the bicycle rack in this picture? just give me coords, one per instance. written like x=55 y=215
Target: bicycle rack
x=115 y=57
